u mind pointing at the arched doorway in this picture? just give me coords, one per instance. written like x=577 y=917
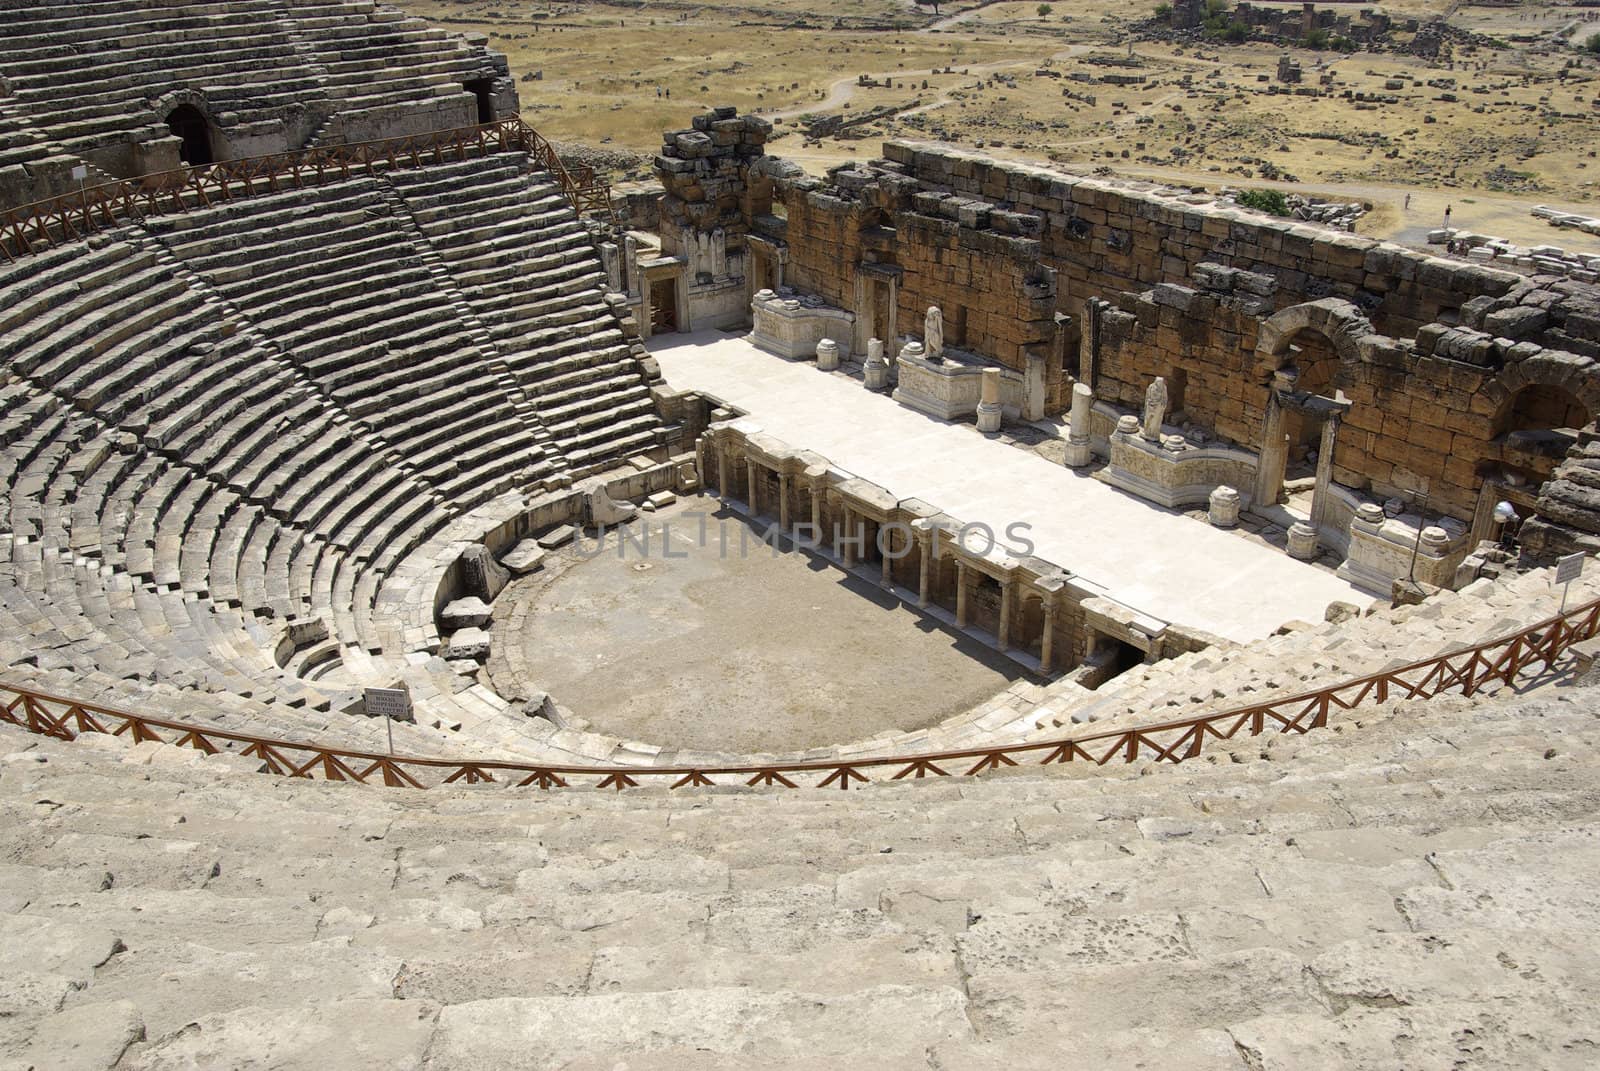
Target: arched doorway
x=1306 y=349
x=1533 y=430
x=193 y=130
x=1314 y=367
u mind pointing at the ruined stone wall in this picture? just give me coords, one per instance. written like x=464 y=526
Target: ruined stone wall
x=997 y=295
x=1100 y=236
x=1122 y=283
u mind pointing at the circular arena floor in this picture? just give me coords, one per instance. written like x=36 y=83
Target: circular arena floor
x=714 y=642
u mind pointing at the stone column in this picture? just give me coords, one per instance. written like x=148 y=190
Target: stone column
x=864 y=327
x=1321 y=494
x=891 y=329
x=961 y=593
x=1034 y=387
x=925 y=572
x=724 y=482
x=883 y=558
x=1302 y=541
x=1274 y=454
x=875 y=373
x=816 y=513
x=827 y=355
x=1047 y=641
x=630 y=265
x=1224 y=503
x=754 y=472
x=783 y=503
x=989 y=402
x=1007 y=589
x=1079 y=452
x=847 y=544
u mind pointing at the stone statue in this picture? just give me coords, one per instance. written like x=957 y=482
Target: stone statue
x=1155 y=410
x=933 y=333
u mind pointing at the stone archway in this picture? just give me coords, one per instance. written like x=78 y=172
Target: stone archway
x=187 y=116
x=1577 y=376
x=1307 y=350
x=1542 y=408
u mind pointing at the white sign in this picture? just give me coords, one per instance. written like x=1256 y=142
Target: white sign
x=79 y=173
x=1569 y=568
x=389 y=703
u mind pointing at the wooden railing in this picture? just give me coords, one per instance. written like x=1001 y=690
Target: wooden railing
x=30 y=227
x=1466 y=672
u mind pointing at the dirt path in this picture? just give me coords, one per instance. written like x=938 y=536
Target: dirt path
x=844 y=90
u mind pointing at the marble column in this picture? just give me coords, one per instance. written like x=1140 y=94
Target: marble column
x=925 y=572
x=1079 y=452
x=827 y=355
x=1274 y=455
x=724 y=481
x=816 y=514
x=783 y=503
x=875 y=372
x=989 y=412
x=1008 y=589
x=883 y=556
x=847 y=545
x=1302 y=541
x=1322 y=493
x=754 y=472
x=1047 y=641
x=1224 y=507
x=892 y=328
x=961 y=593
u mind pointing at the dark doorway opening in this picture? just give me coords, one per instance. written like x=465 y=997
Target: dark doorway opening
x=189 y=125
x=483 y=89
x=663 y=306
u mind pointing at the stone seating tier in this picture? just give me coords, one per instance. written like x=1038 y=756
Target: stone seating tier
x=1346 y=899
x=237 y=419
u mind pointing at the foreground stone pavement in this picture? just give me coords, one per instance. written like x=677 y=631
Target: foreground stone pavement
x=1407 y=889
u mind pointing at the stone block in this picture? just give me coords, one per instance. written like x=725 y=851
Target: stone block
x=524 y=558
x=470 y=612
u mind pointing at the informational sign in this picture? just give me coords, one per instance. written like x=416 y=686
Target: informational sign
x=1569 y=568
x=392 y=703
x=79 y=173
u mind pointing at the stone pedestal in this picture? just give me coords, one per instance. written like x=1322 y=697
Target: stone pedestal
x=827 y=355
x=1224 y=505
x=989 y=402
x=875 y=347
x=875 y=372
x=1079 y=452
x=1302 y=541
x=1385 y=548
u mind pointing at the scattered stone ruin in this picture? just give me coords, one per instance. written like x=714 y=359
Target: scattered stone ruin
x=270 y=462
x=1396 y=375
x=132 y=88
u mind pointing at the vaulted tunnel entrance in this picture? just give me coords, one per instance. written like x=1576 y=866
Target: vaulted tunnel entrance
x=190 y=126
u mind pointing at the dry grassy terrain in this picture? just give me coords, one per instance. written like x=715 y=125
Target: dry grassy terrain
x=1505 y=116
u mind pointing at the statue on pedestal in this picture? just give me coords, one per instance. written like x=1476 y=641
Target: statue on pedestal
x=1155 y=410
x=933 y=333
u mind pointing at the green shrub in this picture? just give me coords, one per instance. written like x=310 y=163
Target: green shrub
x=1269 y=201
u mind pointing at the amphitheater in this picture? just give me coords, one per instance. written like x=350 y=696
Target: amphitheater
x=1150 y=634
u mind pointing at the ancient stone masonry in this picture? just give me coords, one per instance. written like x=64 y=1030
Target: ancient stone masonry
x=712 y=193
x=1452 y=380
x=166 y=84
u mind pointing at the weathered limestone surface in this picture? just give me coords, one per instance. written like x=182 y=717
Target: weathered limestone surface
x=1230 y=915
x=266 y=78
x=1447 y=366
